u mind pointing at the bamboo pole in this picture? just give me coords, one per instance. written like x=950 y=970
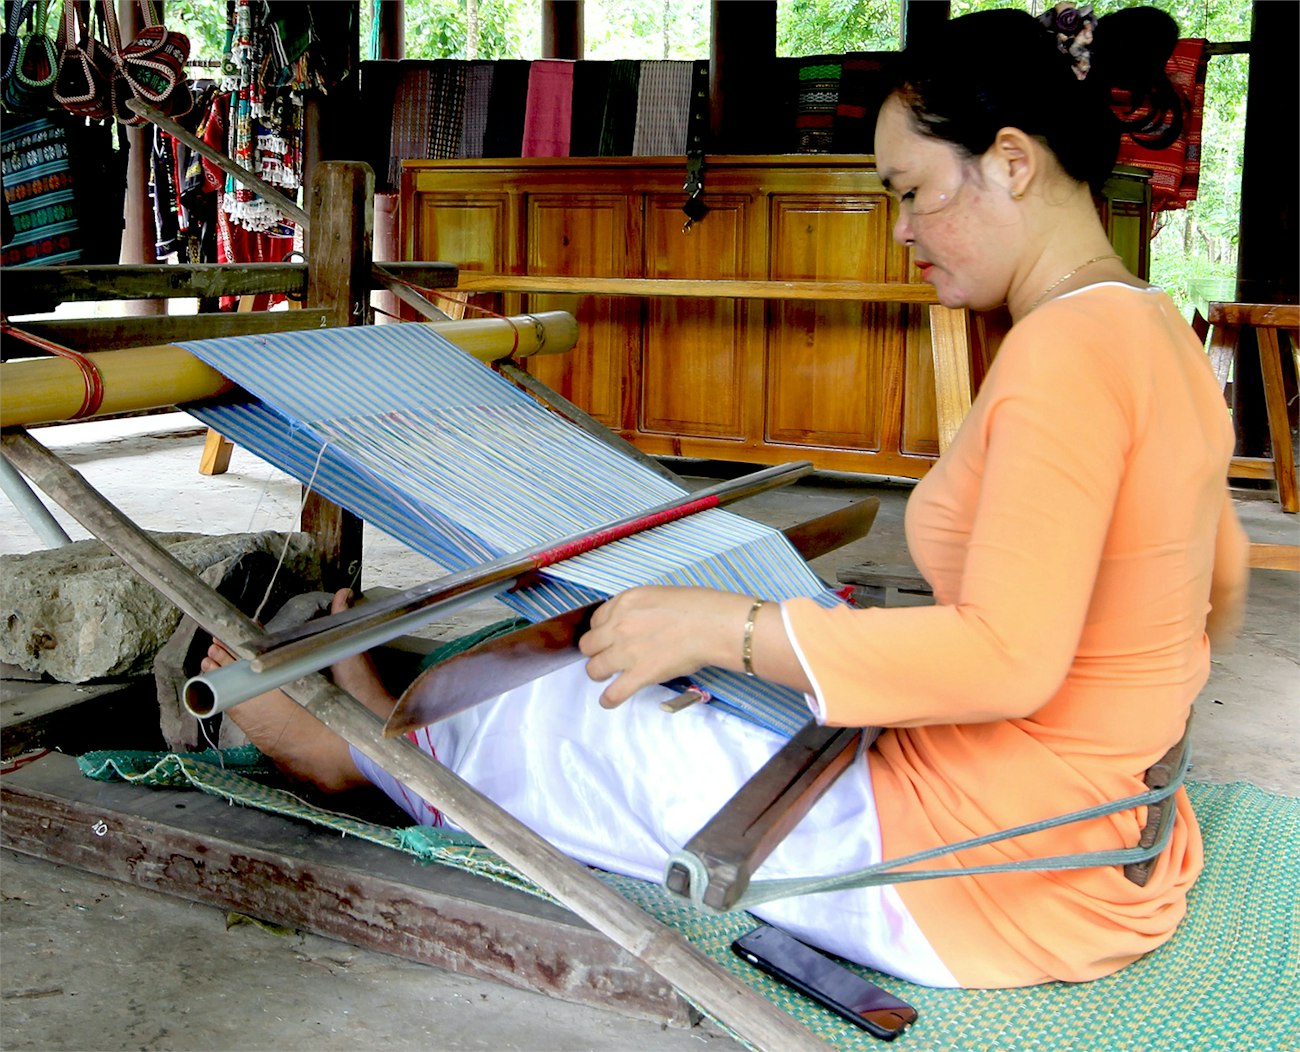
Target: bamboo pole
x=708 y=985
x=48 y=390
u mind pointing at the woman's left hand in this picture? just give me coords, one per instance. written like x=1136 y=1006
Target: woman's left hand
x=654 y=634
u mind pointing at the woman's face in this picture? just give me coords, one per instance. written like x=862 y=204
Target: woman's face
x=960 y=229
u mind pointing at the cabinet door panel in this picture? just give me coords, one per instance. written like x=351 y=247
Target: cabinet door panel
x=832 y=368
x=584 y=235
x=471 y=229
x=698 y=373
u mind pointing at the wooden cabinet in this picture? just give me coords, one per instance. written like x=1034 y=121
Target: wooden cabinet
x=826 y=375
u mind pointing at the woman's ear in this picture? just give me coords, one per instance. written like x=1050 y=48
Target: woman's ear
x=1012 y=161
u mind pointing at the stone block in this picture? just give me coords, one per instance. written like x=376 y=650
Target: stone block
x=77 y=613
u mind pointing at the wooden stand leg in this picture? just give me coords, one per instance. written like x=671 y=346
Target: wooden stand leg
x=216 y=454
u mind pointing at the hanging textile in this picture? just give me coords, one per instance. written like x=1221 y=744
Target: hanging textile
x=590 y=87
x=863 y=87
x=412 y=118
x=663 y=106
x=504 y=134
x=40 y=206
x=819 y=96
x=448 y=109
x=478 y=91
x=1163 y=135
x=431 y=447
x=618 y=127
x=264 y=125
x=549 y=109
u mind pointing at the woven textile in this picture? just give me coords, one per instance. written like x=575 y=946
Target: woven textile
x=662 y=108
x=1228 y=981
x=478 y=90
x=430 y=446
x=619 y=123
x=590 y=89
x=504 y=134
x=412 y=120
x=549 y=112
x=38 y=189
x=1175 y=164
x=863 y=87
x=447 y=108
x=819 y=94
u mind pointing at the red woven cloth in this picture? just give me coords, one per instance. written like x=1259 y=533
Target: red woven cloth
x=548 y=115
x=1176 y=166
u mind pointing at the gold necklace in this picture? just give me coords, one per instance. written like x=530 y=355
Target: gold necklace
x=1066 y=277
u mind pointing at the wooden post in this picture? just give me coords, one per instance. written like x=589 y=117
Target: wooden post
x=392 y=28
x=742 y=53
x=562 y=29
x=339 y=250
x=1267 y=267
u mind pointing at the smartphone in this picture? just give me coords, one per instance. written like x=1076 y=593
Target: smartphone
x=827 y=982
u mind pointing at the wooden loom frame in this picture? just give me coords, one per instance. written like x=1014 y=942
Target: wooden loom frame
x=28 y=812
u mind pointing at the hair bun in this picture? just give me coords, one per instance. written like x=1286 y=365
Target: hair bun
x=1131 y=49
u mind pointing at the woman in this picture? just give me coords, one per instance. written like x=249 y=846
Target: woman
x=1076 y=535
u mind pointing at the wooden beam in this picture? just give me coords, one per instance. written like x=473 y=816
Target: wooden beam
x=690 y=288
x=108 y=334
x=340 y=247
x=38 y=290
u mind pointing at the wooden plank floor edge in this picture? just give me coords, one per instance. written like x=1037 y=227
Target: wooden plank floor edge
x=196 y=847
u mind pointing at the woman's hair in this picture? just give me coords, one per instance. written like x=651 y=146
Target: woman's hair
x=970 y=77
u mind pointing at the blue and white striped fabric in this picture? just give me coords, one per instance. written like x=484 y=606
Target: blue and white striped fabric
x=424 y=442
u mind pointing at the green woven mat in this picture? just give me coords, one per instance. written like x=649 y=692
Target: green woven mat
x=1227 y=980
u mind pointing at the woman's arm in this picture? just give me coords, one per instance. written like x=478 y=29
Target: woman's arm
x=654 y=634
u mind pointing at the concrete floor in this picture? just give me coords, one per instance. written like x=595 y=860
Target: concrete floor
x=88 y=963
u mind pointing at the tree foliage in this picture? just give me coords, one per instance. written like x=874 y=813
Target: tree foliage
x=828 y=27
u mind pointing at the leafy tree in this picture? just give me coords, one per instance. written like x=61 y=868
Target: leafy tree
x=828 y=27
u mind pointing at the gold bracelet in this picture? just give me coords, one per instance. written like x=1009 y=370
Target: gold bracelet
x=747 y=641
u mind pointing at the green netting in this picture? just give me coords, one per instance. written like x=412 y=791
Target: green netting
x=1227 y=980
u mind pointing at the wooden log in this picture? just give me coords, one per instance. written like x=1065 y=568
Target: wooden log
x=711 y=987
x=48 y=390
x=691 y=288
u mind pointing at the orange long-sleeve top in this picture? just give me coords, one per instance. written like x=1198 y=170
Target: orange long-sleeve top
x=1073 y=535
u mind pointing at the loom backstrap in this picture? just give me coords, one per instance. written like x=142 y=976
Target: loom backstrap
x=891 y=871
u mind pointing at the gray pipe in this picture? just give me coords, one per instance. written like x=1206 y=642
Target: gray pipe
x=31 y=508
x=212 y=692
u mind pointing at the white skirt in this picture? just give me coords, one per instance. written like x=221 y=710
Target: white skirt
x=623 y=789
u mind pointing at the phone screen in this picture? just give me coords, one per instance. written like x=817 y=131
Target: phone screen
x=829 y=983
